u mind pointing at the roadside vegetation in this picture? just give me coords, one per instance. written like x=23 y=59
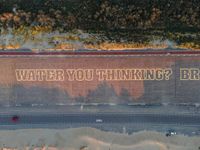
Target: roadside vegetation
x=100 y=24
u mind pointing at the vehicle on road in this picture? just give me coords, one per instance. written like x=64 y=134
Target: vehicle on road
x=15 y=118
x=171 y=133
x=99 y=120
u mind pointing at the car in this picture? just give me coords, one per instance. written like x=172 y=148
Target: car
x=15 y=118
x=171 y=133
x=99 y=120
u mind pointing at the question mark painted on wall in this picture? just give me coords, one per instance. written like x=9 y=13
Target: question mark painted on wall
x=168 y=73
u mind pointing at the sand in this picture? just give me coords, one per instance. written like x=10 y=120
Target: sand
x=93 y=139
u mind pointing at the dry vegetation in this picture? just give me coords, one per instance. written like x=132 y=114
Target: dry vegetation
x=118 y=23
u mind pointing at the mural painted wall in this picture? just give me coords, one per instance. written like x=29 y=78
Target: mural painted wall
x=99 y=79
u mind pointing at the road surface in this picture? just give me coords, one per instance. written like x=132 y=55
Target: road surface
x=85 y=118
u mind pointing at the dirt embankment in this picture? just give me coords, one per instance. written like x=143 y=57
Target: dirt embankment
x=92 y=139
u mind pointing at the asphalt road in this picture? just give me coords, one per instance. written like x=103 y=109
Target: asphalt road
x=46 y=119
